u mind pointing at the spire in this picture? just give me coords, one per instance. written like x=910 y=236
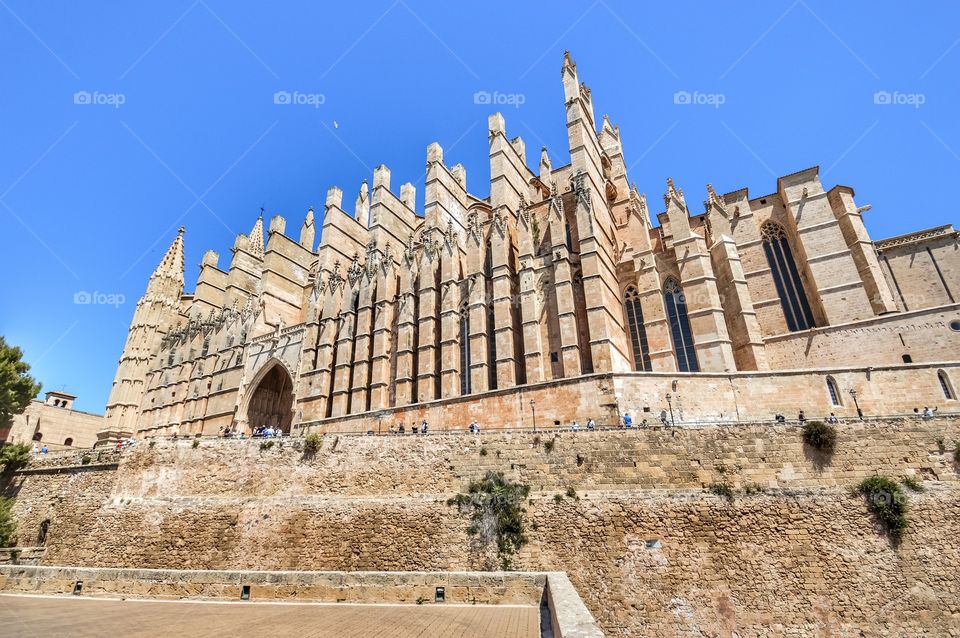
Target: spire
x=675 y=194
x=608 y=127
x=167 y=279
x=362 y=207
x=307 y=231
x=545 y=167
x=256 y=237
x=714 y=201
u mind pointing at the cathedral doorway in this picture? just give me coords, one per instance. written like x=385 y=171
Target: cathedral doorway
x=271 y=404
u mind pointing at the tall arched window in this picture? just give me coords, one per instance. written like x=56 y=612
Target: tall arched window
x=945 y=385
x=464 y=352
x=833 y=391
x=638 y=333
x=796 y=309
x=680 y=327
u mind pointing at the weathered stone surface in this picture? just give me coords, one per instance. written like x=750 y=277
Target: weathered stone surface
x=648 y=550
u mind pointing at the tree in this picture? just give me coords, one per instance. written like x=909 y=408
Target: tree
x=17 y=387
x=8 y=526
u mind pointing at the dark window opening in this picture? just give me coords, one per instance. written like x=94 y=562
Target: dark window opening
x=786 y=278
x=680 y=328
x=638 y=333
x=944 y=385
x=464 y=352
x=834 y=394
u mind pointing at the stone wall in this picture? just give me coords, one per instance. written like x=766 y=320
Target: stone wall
x=59 y=427
x=922 y=335
x=649 y=550
x=484 y=588
x=694 y=398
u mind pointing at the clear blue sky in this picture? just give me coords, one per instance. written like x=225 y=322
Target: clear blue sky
x=92 y=193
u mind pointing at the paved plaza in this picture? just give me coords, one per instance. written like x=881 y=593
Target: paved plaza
x=50 y=616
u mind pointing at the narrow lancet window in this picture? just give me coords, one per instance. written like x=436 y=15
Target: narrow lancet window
x=638 y=333
x=796 y=309
x=680 y=327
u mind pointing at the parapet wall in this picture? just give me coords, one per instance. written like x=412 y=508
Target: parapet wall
x=693 y=398
x=483 y=588
x=648 y=549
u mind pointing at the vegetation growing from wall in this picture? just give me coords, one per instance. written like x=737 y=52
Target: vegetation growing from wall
x=8 y=526
x=820 y=436
x=721 y=489
x=311 y=445
x=912 y=484
x=887 y=502
x=495 y=507
x=14 y=456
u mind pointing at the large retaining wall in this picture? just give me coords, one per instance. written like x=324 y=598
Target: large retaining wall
x=649 y=550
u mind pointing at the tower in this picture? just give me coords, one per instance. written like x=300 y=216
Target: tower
x=157 y=311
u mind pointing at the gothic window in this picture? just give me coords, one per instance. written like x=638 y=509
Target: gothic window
x=638 y=333
x=945 y=385
x=680 y=327
x=796 y=308
x=488 y=262
x=464 y=352
x=569 y=237
x=833 y=391
x=491 y=350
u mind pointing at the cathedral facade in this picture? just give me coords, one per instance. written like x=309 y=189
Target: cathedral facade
x=562 y=277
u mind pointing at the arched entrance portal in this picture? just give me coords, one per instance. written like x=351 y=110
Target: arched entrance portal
x=272 y=401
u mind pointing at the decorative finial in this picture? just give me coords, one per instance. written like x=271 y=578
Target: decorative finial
x=181 y=230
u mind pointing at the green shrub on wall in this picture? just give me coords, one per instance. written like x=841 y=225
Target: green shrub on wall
x=721 y=489
x=15 y=456
x=820 y=436
x=887 y=502
x=311 y=444
x=8 y=526
x=494 y=504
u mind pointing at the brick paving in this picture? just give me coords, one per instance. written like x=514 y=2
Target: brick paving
x=33 y=616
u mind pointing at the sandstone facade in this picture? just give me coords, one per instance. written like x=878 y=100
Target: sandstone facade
x=53 y=422
x=560 y=272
